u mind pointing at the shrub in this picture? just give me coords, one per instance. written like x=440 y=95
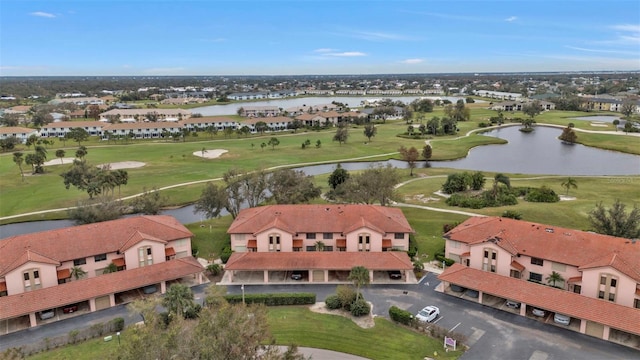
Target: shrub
x=544 y=194
x=360 y=308
x=275 y=299
x=448 y=262
x=418 y=266
x=226 y=254
x=482 y=125
x=117 y=324
x=214 y=269
x=333 y=302
x=402 y=316
x=347 y=296
x=192 y=312
x=512 y=214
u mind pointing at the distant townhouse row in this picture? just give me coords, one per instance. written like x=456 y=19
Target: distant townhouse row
x=591 y=278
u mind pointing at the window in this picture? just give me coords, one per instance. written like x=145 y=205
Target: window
x=493 y=255
x=328 y=248
x=101 y=257
x=600 y=294
x=311 y=248
x=515 y=274
x=274 y=242
x=493 y=268
x=536 y=261
x=558 y=267
x=486 y=254
x=454 y=244
x=577 y=289
x=311 y=236
x=535 y=277
x=364 y=242
x=614 y=282
x=603 y=280
x=31 y=279
x=78 y=262
x=327 y=236
x=636 y=303
x=612 y=297
x=145 y=256
x=398 y=236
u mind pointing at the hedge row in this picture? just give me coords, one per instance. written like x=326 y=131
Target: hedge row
x=274 y=299
x=402 y=316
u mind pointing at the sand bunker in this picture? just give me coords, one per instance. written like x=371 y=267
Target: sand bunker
x=566 y=198
x=123 y=165
x=58 y=161
x=210 y=154
x=599 y=124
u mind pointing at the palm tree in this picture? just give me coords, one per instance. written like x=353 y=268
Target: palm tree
x=553 y=278
x=60 y=153
x=19 y=160
x=319 y=246
x=500 y=179
x=178 y=298
x=360 y=277
x=77 y=272
x=111 y=268
x=569 y=183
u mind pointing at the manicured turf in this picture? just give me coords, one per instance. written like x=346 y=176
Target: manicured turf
x=300 y=326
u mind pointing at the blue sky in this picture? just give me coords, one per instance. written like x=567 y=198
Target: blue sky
x=243 y=37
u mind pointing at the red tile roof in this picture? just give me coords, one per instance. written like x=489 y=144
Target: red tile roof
x=84 y=289
x=516 y=265
x=545 y=297
x=169 y=251
x=320 y=219
x=85 y=240
x=567 y=246
x=324 y=260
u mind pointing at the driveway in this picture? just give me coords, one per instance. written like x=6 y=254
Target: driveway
x=491 y=333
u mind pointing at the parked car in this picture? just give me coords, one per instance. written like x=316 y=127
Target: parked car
x=538 y=312
x=70 y=309
x=561 y=319
x=395 y=274
x=512 y=304
x=428 y=314
x=47 y=314
x=296 y=275
x=472 y=293
x=149 y=289
x=457 y=288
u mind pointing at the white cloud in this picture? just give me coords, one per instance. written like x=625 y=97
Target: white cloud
x=601 y=50
x=324 y=50
x=627 y=27
x=346 y=54
x=412 y=61
x=511 y=19
x=42 y=14
x=377 y=36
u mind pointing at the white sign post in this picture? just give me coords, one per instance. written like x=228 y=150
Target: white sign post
x=449 y=342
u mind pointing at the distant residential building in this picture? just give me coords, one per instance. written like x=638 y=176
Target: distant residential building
x=202 y=123
x=259 y=111
x=498 y=95
x=134 y=115
x=248 y=95
x=61 y=128
x=20 y=133
x=274 y=123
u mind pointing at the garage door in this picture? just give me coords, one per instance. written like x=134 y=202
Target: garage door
x=595 y=329
x=103 y=302
x=318 y=275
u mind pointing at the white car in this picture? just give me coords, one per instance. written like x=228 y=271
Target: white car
x=561 y=319
x=428 y=314
x=538 y=312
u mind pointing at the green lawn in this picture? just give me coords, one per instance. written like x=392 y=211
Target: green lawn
x=300 y=326
x=386 y=340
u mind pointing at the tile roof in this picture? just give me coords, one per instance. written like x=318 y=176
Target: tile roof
x=566 y=246
x=323 y=260
x=320 y=218
x=207 y=119
x=545 y=297
x=85 y=240
x=73 y=124
x=16 y=130
x=84 y=289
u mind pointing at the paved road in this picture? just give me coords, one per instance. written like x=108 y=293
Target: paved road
x=491 y=333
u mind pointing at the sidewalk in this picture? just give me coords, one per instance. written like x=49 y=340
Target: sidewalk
x=321 y=354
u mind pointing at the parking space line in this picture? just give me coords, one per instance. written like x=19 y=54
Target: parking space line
x=453 y=328
x=440 y=318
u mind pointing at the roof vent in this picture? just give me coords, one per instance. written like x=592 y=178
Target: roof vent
x=549 y=230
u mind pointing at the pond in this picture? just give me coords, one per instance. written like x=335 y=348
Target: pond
x=536 y=153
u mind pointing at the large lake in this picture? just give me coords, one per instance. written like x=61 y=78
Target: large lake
x=352 y=101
